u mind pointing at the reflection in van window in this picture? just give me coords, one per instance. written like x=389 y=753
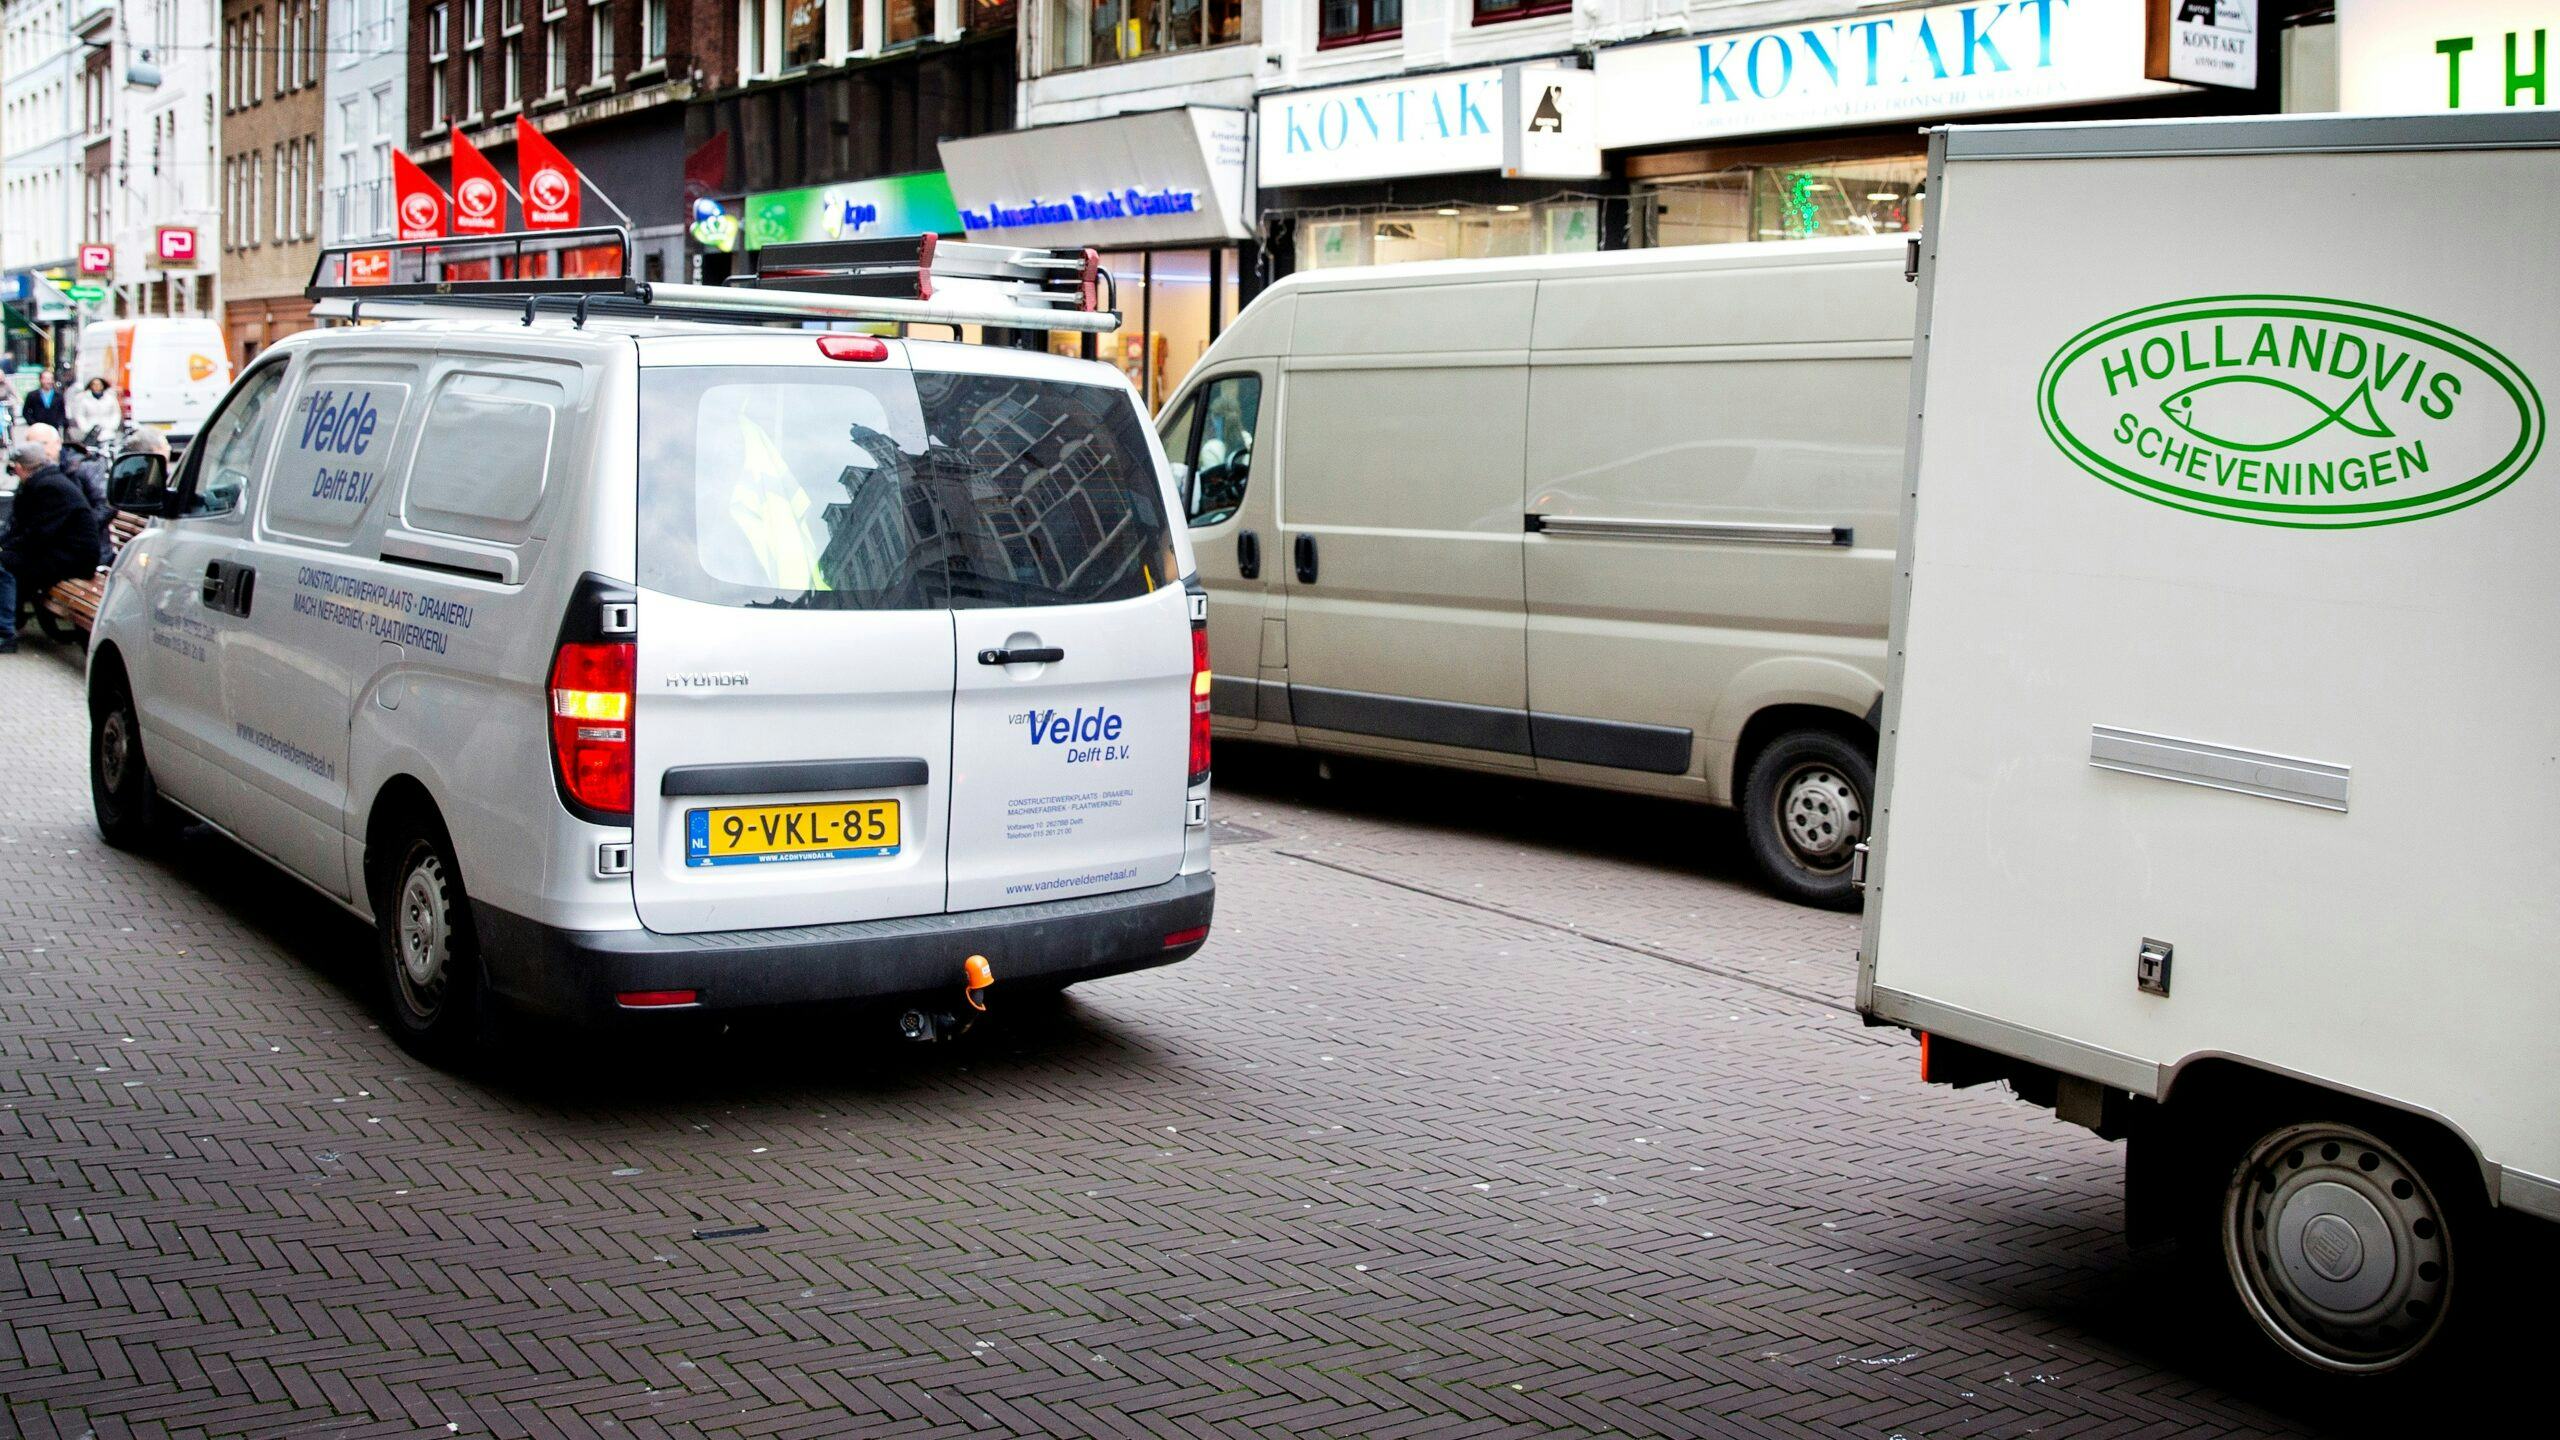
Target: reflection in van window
x=882 y=490
x=482 y=456
x=230 y=446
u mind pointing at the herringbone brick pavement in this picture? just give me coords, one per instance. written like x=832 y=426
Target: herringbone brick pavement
x=1487 y=1112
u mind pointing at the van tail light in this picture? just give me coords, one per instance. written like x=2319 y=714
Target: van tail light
x=1200 y=704
x=853 y=347
x=591 y=704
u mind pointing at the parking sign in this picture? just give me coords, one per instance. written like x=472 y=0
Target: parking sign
x=97 y=259
x=173 y=247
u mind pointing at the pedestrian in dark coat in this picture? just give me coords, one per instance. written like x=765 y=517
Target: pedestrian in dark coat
x=52 y=534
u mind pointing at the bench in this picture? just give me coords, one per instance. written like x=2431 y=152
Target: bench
x=72 y=606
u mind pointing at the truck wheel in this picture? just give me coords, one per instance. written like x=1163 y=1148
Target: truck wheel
x=430 y=954
x=1805 y=807
x=2342 y=1251
x=130 y=813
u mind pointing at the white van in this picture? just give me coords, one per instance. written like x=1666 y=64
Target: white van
x=169 y=369
x=622 y=666
x=1624 y=520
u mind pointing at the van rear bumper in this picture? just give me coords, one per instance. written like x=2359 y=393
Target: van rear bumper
x=576 y=974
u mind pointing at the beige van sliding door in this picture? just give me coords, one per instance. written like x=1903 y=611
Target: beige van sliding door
x=1404 y=426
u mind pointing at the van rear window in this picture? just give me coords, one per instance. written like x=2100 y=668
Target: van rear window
x=859 y=489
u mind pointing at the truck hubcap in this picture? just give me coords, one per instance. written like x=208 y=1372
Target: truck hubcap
x=1821 y=815
x=2337 y=1247
x=420 y=917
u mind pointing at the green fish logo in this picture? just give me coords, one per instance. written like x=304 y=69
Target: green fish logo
x=2229 y=409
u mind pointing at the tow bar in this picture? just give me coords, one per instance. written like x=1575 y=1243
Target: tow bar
x=927 y=1026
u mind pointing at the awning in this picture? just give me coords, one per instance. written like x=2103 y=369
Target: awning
x=1164 y=177
x=16 y=326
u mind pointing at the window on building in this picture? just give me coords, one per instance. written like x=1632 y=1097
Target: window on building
x=511 y=71
x=510 y=15
x=474 y=22
x=437 y=15
x=1097 y=32
x=251 y=212
x=905 y=21
x=252 y=65
x=599 y=41
x=653 y=31
x=804 y=32
x=1356 y=22
x=555 y=47
x=435 y=99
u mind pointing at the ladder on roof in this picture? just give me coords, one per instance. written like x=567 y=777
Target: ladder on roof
x=909 y=280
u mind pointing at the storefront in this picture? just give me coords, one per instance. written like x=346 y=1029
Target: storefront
x=1810 y=130
x=1449 y=165
x=1161 y=195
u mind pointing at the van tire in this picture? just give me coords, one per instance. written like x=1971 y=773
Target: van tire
x=131 y=815
x=1806 y=803
x=430 y=950
x=2255 y=1201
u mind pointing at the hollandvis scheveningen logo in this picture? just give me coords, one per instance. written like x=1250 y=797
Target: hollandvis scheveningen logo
x=2291 y=410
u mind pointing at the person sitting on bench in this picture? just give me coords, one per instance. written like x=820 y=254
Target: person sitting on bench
x=52 y=534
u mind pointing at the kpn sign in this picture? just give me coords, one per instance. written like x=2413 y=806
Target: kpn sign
x=1876 y=68
x=2291 y=410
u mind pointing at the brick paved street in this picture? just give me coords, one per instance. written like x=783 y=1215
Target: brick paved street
x=1489 y=1110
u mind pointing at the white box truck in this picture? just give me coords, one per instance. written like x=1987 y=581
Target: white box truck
x=2221 y=745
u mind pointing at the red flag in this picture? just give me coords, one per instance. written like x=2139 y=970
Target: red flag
x=548 y=180
x=419 y=204
x=479 y=200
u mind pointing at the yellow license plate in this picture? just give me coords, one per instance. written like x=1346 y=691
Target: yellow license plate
x=773 y=834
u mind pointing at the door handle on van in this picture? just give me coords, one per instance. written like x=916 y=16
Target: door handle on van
x=1248 y=555
x=1306 y=559
x=228 y=586
x=1032 y=655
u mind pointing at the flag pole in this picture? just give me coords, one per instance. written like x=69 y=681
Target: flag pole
x=598 y=191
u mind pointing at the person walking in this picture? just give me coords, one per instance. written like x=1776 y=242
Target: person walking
x=96 y=414
x=44 y=405
x=52 y=535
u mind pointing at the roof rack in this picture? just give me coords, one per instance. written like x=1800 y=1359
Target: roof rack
x=915 y=279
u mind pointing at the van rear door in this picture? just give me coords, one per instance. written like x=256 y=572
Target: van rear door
x=1071 y=753
x=792 y=722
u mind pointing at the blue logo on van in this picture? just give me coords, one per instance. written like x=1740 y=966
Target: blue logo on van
x=339 y=426
x=1087 y=735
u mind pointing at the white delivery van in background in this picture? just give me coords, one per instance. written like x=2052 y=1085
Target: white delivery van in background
x=2219 y=746
x=1624 y=520
x=169 y=369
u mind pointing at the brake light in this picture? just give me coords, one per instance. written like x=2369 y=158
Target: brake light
x=657 y=999
x=853 y=347
x=1199 y=704
x=591 y=705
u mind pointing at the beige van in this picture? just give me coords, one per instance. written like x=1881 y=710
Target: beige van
x=1622 y=519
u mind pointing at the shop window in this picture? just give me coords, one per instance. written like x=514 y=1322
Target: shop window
x=1563 y=226
x=1211 y=445
x=1489 y=12
x=1881 y=196
x=1357 y=22
x=1098 y=32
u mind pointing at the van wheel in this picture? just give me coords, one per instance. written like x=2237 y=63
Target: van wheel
x=1805 y=807
x=2341 y=1249
x=131 y=815
x=430 y=956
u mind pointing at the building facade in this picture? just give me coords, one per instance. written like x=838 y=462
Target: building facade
x=365 y=97
x=605 y=80
x=41 y=166
x=271 y=58
x=162 y=196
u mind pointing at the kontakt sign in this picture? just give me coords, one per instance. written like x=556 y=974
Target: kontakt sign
x=2291 y=410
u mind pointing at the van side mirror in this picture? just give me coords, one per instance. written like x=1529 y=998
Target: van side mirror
x=139 y=484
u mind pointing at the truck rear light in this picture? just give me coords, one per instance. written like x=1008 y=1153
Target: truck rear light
x=1089 y=285
x=591 y=719
x=924 y=265
x=1192 y=936
x=1200 y=684
x=1925 y=1076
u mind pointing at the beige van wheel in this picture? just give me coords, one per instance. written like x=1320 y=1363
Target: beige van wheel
x=1806 y=804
